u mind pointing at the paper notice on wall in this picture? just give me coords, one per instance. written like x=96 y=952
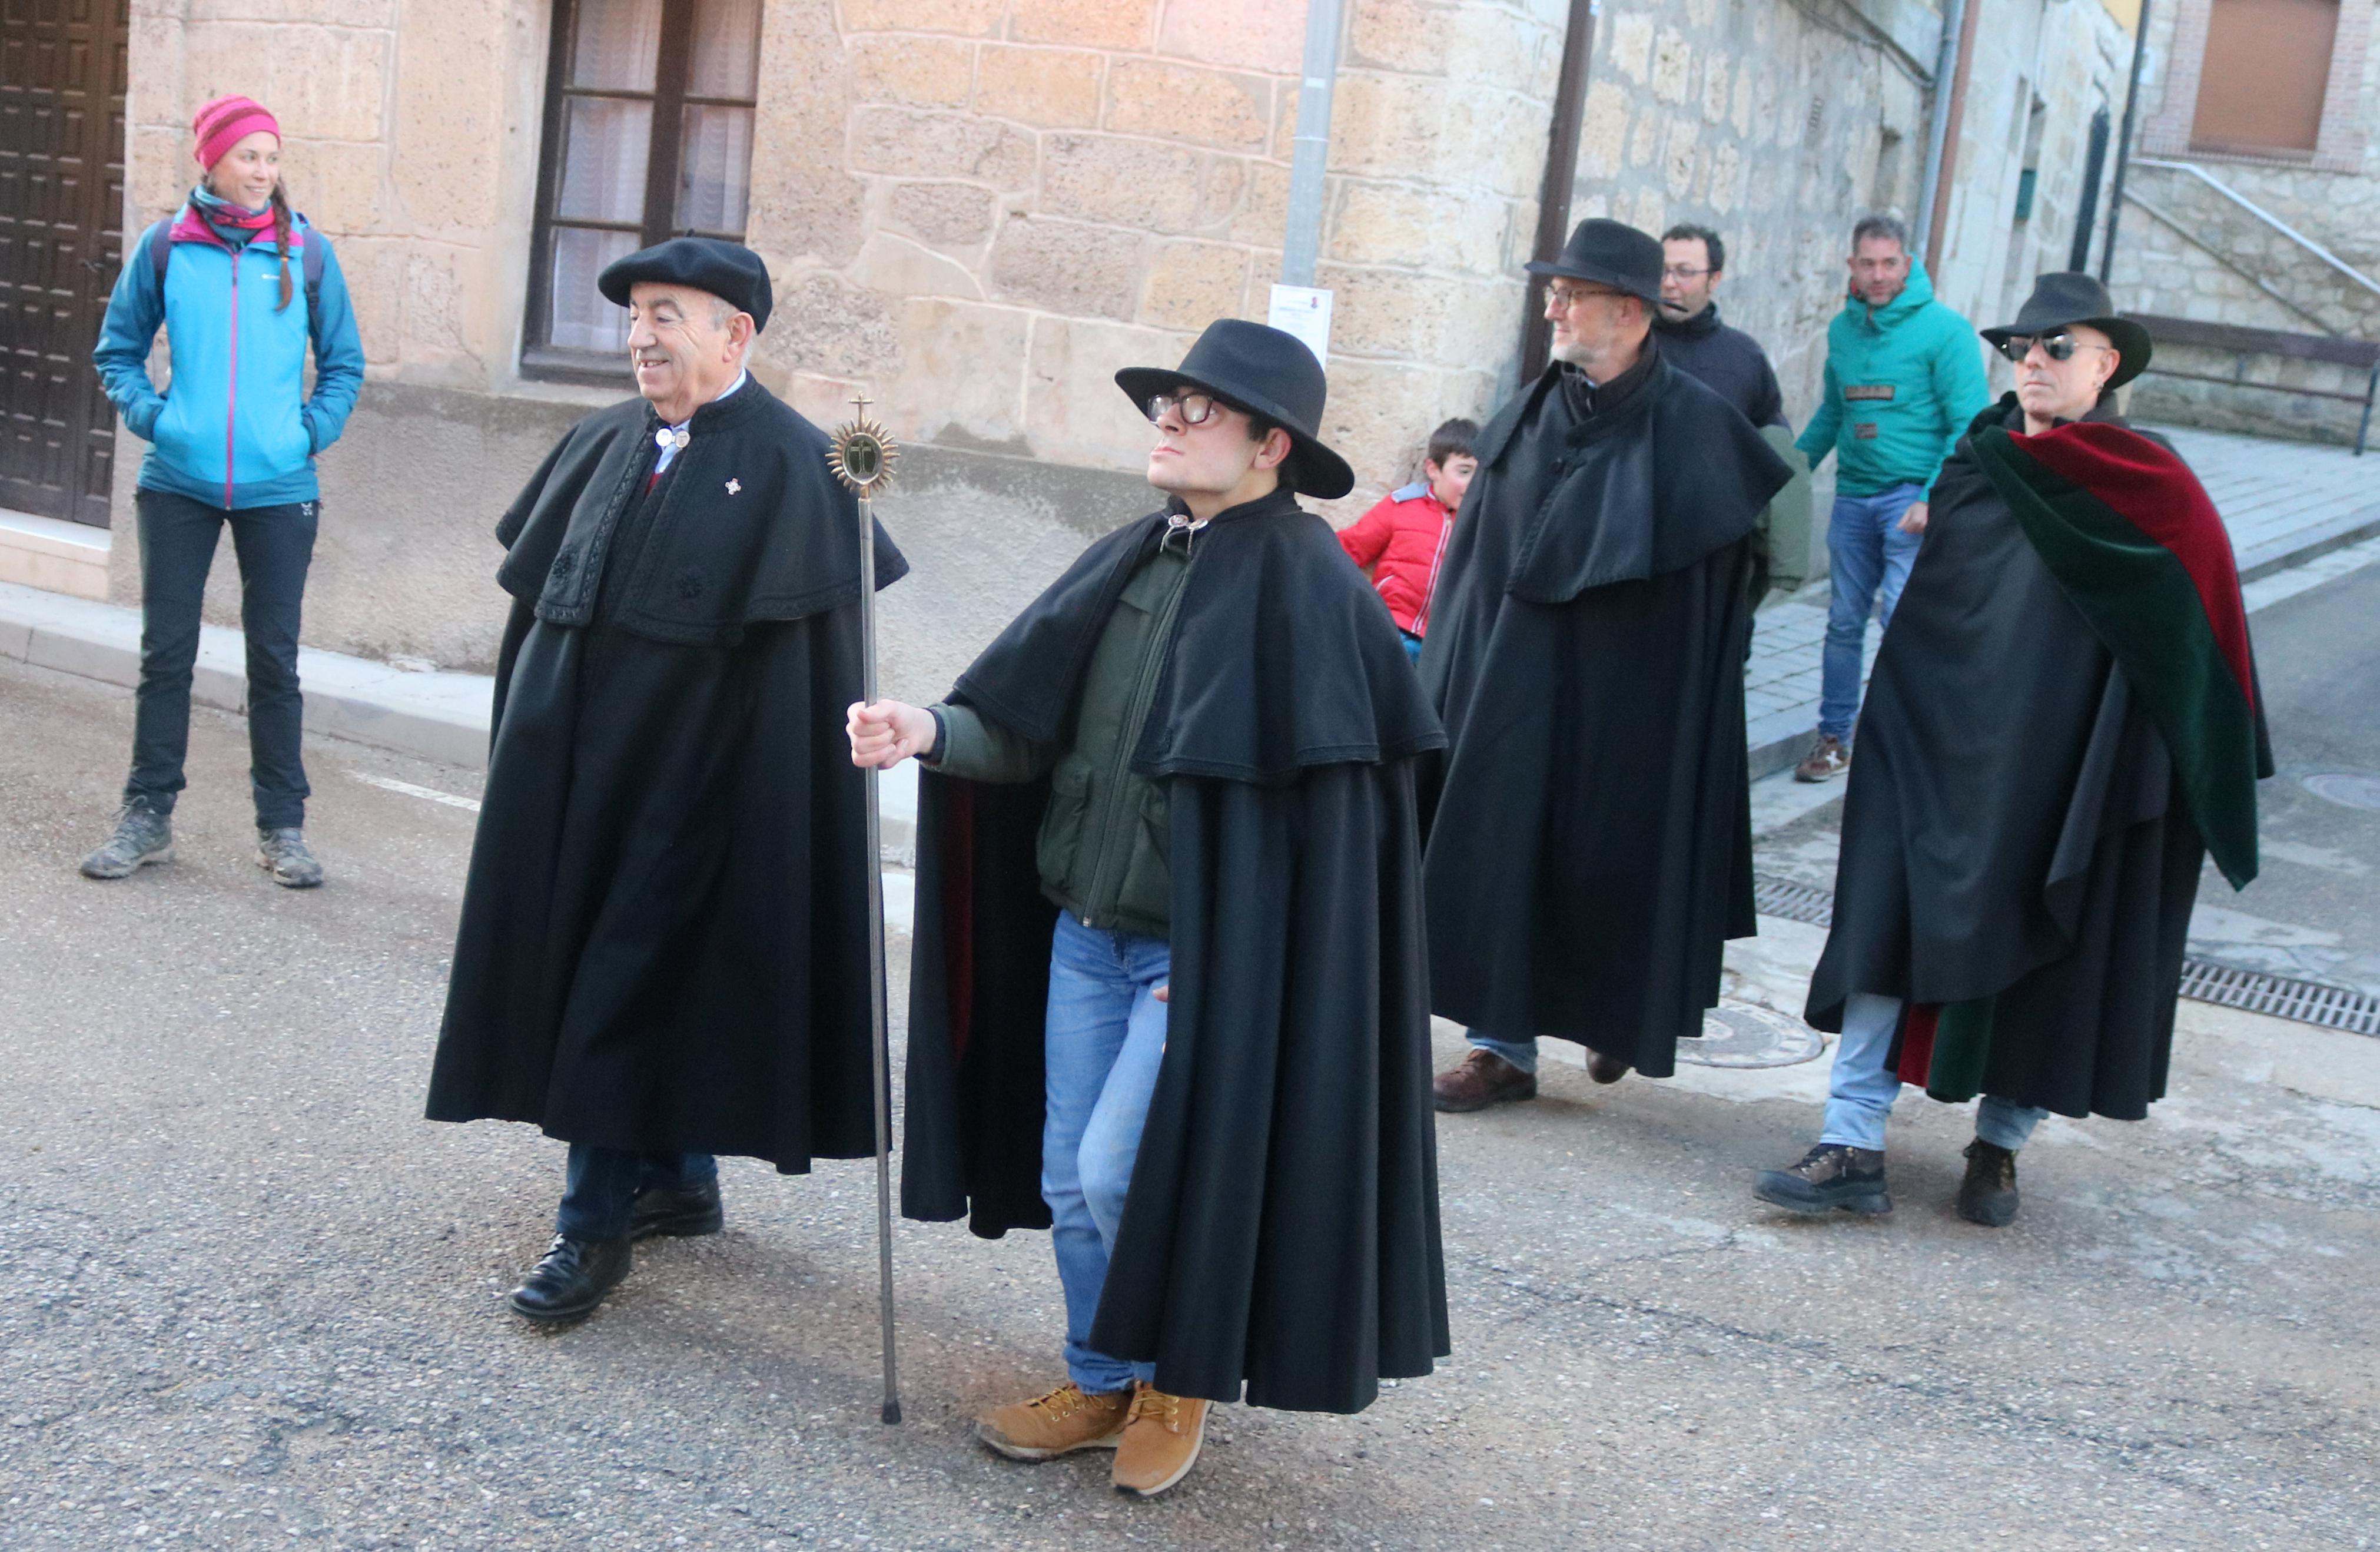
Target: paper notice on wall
x=1305 y=311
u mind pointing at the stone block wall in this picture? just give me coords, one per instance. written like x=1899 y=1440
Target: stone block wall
x=1775 y=125
x=978 y=209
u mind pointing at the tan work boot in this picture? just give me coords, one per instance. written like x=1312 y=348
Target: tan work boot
x=1161 y=1441
x=1063 y=1421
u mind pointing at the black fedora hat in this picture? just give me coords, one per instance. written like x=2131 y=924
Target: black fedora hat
x=2064 y=296
x=1611 y=252
x=1262 y=371
x=726 y=270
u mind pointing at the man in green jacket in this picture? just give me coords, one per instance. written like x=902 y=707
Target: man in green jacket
x=1904 y=376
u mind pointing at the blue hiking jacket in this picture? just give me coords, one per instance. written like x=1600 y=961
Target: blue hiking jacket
x=1902 y=382
x=234 y=427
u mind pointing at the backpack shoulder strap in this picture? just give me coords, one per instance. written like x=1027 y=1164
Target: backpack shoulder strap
x=159 y=240
x=309 y=264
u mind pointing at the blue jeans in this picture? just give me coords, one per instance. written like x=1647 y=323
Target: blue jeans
x=275 y=545
x=1520 y=1053
x=1865 y=552
x=1862 y=1087
x=603 y=1183
x=1104 y=1043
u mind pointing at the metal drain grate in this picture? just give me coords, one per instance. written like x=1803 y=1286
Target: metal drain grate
x=2329 y=1007
x=2306 y=1002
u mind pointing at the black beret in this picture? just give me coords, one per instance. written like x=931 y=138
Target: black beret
x=726 y=270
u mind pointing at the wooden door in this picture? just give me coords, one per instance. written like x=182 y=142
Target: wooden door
x=62 y=72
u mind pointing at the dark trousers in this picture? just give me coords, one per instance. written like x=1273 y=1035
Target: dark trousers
x=275 y=545
x=603 y=1183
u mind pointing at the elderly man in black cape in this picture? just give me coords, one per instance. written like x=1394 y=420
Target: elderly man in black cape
x=2062 y=725
x=1590 y=847
x=664 y=952
x=1166 y=997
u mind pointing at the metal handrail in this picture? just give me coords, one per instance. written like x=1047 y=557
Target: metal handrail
x=2268 y=217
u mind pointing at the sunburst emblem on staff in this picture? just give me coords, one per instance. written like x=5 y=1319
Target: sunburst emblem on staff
x=860 y=453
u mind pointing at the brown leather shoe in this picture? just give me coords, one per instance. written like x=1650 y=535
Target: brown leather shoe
x=1604 y=1069
x=1058 y=1423
x=1161 y=1441
x=1827 y=758
x=1483 y=1079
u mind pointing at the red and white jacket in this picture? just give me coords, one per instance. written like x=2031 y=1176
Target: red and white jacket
x=1402 y=543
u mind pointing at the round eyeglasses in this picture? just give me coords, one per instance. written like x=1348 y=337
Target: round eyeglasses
x=1191 y=409
x=2060 y=346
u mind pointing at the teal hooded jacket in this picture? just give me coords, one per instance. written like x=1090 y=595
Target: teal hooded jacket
x=1902 y=381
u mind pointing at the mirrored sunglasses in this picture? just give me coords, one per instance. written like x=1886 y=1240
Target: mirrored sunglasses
x=2059 y=346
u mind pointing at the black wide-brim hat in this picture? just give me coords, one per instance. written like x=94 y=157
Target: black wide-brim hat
x=1610 y=252
x=1258 y=371
x=2064 y=296
x=728 y=271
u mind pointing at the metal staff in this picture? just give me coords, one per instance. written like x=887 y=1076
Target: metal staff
x=861 y=456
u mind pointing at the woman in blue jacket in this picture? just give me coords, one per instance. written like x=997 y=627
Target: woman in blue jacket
x=242 y=287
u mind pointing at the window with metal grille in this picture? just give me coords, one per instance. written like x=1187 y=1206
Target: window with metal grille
x=649 y=119
x=2267 y=72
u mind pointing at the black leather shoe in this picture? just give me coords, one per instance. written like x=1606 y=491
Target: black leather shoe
x=571 y=1280
x=665 y=1211
x=1988 y=1194
x=1604 y=1069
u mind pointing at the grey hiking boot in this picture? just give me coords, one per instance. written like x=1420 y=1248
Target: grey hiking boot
x=283 y=853
x=1831 y=1176
x=141 y=835
x=1988 y=1194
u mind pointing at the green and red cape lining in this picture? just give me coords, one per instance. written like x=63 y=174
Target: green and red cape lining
x=2140 y=553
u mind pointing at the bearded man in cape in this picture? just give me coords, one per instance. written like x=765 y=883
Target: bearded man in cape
x=664 y=952
x=1165 y=997
x=1590 y=848
x=2062 y=724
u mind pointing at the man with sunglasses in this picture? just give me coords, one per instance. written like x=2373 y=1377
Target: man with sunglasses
x=1165 y=997
x=1903 y=378
x=2063 y=725
x=1590 y=849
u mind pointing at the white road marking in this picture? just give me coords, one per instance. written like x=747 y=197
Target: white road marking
x=390 y=783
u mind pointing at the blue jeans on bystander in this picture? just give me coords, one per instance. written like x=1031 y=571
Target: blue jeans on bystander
x=1866 y=553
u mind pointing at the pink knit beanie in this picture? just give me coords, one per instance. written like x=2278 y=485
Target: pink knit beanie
x=224 y=122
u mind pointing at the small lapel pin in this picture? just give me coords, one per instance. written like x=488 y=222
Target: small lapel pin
x=734 y=486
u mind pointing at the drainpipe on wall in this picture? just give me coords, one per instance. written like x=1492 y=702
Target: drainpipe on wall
x=1938 y=130
x=1942 y=150
x=1296 y=305
x=2124 y=140
x=1561 y=175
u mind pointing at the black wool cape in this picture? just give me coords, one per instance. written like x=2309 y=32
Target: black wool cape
x=663 y=944
x=1281 y=1231
x=2016 y=847
x=1590 y=840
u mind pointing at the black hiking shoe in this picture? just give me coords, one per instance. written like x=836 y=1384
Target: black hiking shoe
x=1831 y=1177
x=143 y=835
x=664 y=1211
x=283 y=853
x=1988 y=1194
x=571 y=1280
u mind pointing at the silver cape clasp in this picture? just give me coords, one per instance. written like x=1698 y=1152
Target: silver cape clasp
x=673 y=436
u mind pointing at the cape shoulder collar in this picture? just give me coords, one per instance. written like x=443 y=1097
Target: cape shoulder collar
x=1498 y=436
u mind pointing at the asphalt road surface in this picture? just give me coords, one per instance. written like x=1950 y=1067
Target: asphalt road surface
x=248 y=1297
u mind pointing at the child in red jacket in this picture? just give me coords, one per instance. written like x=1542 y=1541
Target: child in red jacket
x=1400 y=543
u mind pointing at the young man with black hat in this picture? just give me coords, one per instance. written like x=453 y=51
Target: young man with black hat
x=1590 y=844
x=2062 y=724
x=1165 y=996
x=663 y=955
